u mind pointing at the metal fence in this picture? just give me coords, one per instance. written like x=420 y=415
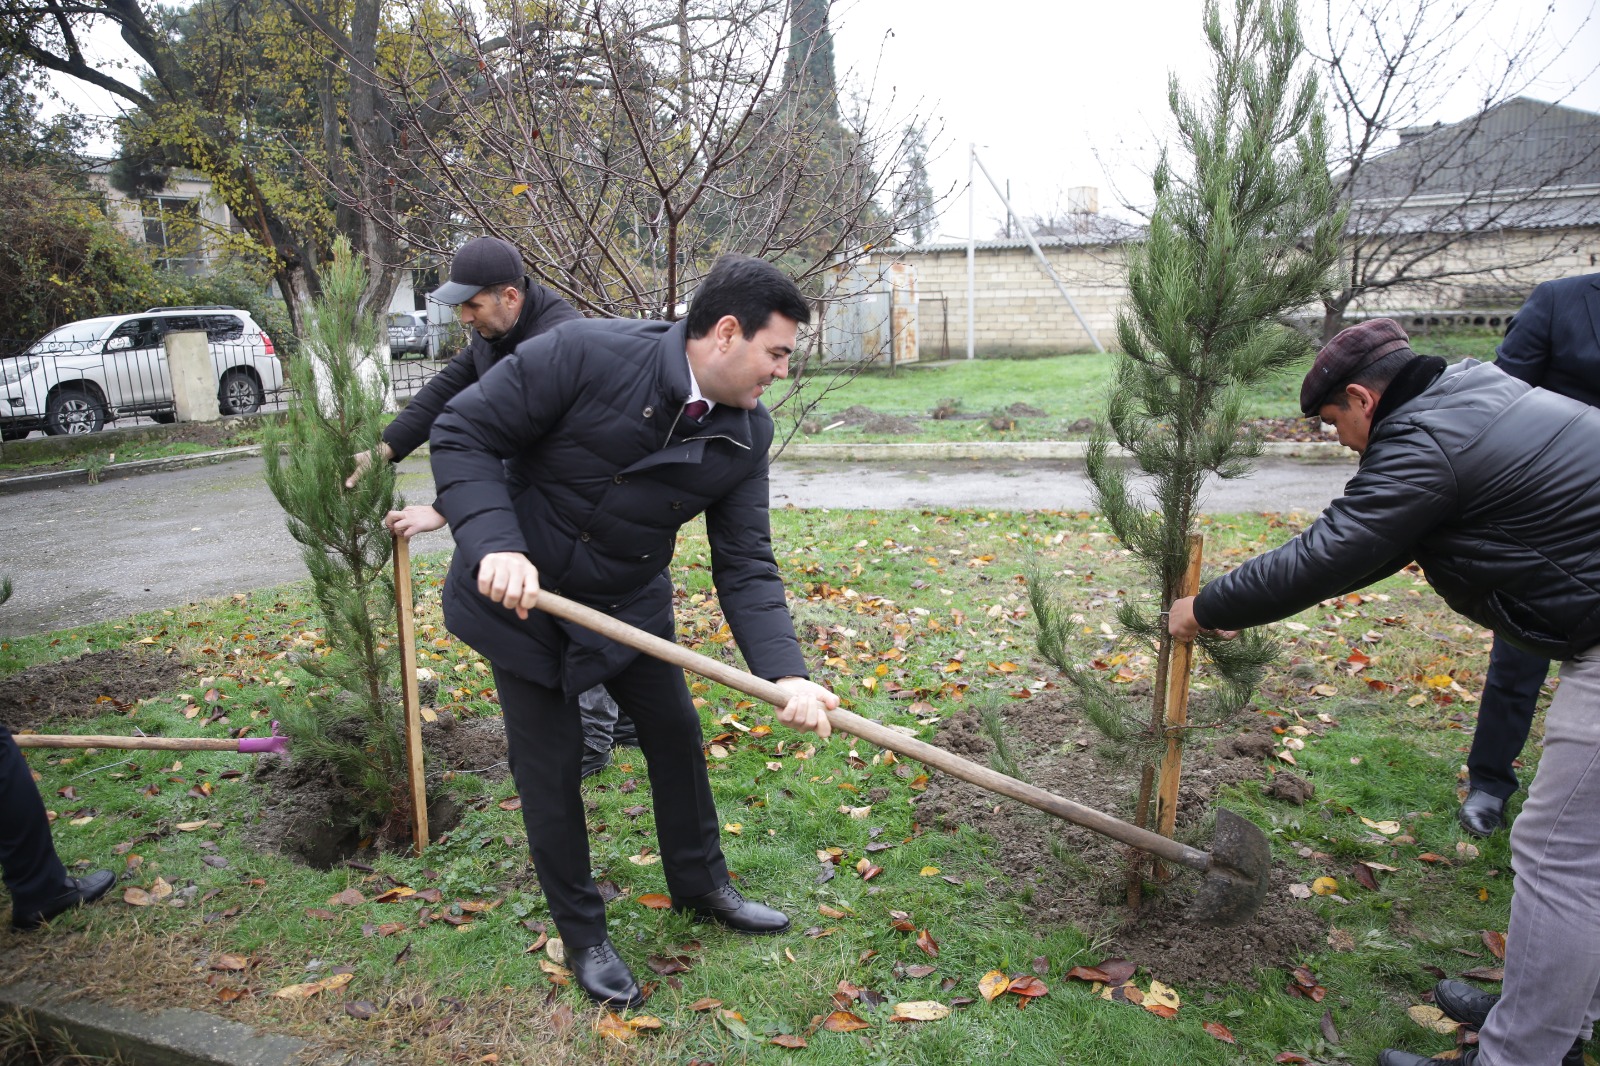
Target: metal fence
x=84 y=386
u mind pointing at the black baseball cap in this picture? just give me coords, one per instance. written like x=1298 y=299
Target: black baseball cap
x=481 y=262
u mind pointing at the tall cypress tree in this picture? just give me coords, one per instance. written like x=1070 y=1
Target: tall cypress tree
x=354 y=724
x=1244 y=231
x=809 y=66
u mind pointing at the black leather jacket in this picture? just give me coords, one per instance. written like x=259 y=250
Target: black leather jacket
x=1492 y=486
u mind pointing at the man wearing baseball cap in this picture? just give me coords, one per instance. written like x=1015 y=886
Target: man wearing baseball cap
x=503 y=307
x=1490 y=485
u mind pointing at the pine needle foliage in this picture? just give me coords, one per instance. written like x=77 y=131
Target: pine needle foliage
x=1244 y=231
x=353 y=725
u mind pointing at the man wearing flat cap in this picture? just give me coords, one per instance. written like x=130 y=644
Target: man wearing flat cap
x=503 y=307
x=1491 y=486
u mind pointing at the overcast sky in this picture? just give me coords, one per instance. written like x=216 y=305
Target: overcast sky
x=1064 y=94
x=1060 y=94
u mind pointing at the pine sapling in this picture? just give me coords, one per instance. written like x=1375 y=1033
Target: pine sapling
x=1244 y=231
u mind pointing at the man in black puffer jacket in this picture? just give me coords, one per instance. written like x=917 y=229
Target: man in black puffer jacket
x=573 y=464
x=503 y=307
x=1492 y=486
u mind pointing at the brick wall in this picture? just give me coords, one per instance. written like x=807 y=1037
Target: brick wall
x=1018 y=308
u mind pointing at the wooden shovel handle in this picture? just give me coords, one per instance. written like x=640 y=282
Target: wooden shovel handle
x=405 y=624
x=39 y=740
x=881 y=735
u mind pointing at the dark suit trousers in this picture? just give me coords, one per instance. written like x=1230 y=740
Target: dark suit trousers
x=1505 y=714
x=544 y=738
x=33 y=873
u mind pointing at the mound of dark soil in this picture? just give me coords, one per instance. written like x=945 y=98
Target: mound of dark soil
x=1024 y=410
x=1289 y=429
x=1065 y=874
x=85 y=687
x=870 y=421
x=306 y=814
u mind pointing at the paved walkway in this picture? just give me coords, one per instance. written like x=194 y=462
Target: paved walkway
x=91 y=552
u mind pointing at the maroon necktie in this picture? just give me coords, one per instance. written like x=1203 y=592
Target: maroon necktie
x=696 y=409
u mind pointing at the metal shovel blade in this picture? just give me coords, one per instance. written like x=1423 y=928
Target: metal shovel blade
x=1236 y=879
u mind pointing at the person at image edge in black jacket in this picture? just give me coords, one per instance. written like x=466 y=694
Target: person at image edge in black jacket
x=1554 y=343
x=572 y=465
x=1490 y=485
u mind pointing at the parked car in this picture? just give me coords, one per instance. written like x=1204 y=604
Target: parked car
x=81 y=376
x=408 y=333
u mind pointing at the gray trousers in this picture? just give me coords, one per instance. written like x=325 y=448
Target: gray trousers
x=1552 y=986
x=604 y=724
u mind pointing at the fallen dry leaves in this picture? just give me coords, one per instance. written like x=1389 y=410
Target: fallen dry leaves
x=313 y=988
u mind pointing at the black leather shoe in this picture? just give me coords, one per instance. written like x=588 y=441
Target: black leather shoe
x=1470 y=1006
x=79 y=890
x=593 y=762
x=1481 y=814
x=605 y=977
x=728 y=908
x=1463 y=1003
x=1391 y=1057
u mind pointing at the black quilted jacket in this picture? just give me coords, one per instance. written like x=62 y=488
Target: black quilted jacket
x=542 y=311
x=575 y=452
x=1492 y=486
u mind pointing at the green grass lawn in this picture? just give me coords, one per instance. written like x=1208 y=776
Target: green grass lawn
x=1066 y=388
x=928 y=603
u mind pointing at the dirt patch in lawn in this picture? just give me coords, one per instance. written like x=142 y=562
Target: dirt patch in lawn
x=870 y=421
x=1299 y=430
x=308 y=815
x=86 y=687
x=1063 y=874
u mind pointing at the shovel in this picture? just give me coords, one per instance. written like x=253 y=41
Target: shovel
x=247 y=745
x=1236 y=868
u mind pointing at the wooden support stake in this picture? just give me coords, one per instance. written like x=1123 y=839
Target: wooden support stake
x=1178 y=670
x=407 y=625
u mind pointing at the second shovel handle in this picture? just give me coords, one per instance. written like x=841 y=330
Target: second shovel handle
x=877 y=733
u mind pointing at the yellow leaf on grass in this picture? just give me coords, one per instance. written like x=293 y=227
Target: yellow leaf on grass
x=1324 y=886
x=993 y=983
x=922 y=1010
x=1433 y=1018
x=1417 y=701
x=1162 y=995
x=930 y=871
x=189 y=827
x=1387 y=828
x=312 y=988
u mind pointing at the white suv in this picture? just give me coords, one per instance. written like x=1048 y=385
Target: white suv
x=79 y=377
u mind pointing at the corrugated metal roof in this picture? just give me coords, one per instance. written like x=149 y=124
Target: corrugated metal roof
x=1517 y=145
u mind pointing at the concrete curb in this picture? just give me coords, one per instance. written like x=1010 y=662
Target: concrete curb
x=925 y=452
x=1014 y=450
x=173 y=1037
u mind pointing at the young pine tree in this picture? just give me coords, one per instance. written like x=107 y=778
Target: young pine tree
x=1244 y=231
x=354 y=724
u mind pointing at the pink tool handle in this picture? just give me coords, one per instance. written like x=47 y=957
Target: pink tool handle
x=275 y=744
